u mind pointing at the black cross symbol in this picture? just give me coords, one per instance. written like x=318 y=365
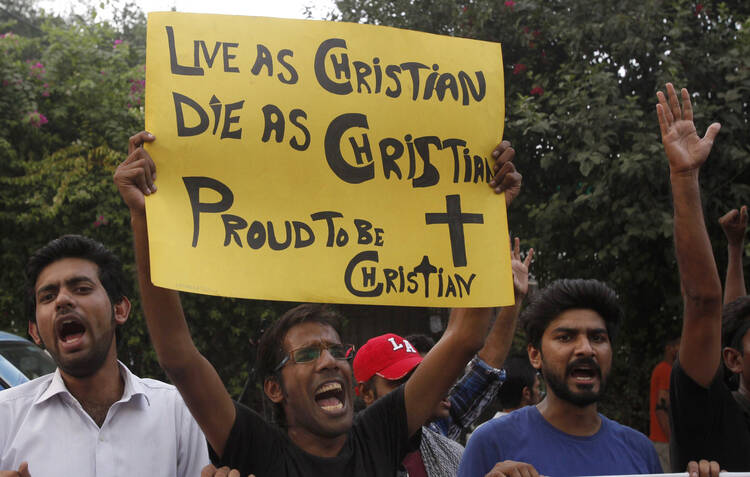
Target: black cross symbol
x=455 y=220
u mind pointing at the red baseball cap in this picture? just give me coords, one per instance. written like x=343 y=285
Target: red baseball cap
x=389 y=356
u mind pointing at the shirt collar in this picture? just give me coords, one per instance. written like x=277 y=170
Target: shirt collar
x=133 y=387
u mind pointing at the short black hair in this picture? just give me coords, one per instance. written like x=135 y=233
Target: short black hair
x=422 y=343
x=566 y=294
x=519 y=373
x=76 y=246
x=735 y=315
x=271 y=344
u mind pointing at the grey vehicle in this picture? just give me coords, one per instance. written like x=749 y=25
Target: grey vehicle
x=21 y=361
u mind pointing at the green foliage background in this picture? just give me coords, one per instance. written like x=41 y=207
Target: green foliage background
x=581 y=79
x=87 y=78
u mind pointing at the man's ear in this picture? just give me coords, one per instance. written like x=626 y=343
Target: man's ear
x=366 y=393
x=535 y=356
x=122 y=311
x=34 y=333
x=732 y=359
x=274 y=391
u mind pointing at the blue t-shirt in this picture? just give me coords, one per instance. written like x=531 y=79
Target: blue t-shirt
x=525 y=436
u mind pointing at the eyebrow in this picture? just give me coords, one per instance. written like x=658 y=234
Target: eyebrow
x=318 y=343
x=70 y=282
x=565 y=329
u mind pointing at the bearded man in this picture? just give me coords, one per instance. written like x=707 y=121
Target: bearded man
x=570 y=326
x=92 y=416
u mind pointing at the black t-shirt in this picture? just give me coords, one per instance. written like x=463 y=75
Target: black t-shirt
x=707 y=423
x=374 y=447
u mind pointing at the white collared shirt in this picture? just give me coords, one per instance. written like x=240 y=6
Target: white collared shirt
x=149 y=431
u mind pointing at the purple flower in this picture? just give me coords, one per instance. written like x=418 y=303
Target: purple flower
x=37 y=119
x=100 y=220
x=117 y=42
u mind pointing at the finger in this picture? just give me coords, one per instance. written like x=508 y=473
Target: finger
x=743 y=216
x=140 y=177
x=144 y=166
x=687 y=106
x=137 y=155
x=532 y=471
x=529 y=257
x=501 y=172
x=23 y=469
x=137 y=141
x=223 y=472
x=669 y=119
x=674 y=104
x=506 y=155
x=509 y=178
x=661 y=115
x=150 y=170
x=524 y=471
x=517 y=248
x=500 y=148
x=714 y=468
x=729 y=217
x=711 y=133
x=692 y=469
x=208 y=471
x=499 y=167
x=704 y=468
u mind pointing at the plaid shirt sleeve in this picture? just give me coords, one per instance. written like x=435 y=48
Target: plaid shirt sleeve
x=469 y=397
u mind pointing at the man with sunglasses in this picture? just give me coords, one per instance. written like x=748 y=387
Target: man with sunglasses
x=306 y=374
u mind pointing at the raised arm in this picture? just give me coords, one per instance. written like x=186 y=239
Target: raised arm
x=195 y=378
x=500 y=338
x=479 y=386
x=734 y=224
x=466 y=329
x=700 y=345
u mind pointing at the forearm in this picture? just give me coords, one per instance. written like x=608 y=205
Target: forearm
x=499 y=340
x=445 y=362
x=734 y=286
x=698 y=273
x=662 y=417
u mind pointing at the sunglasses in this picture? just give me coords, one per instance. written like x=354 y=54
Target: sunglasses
x=311 y=353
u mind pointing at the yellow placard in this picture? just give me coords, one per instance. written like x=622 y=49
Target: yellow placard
x=327 y=162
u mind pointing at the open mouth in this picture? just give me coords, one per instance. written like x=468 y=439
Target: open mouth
x=70 y=330
x=584 y=373
x=330 y=397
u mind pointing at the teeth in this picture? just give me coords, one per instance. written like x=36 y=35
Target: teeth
x=329 y=387
x=334 y=407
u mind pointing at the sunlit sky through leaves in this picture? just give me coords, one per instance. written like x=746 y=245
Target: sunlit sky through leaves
x=267 y=8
